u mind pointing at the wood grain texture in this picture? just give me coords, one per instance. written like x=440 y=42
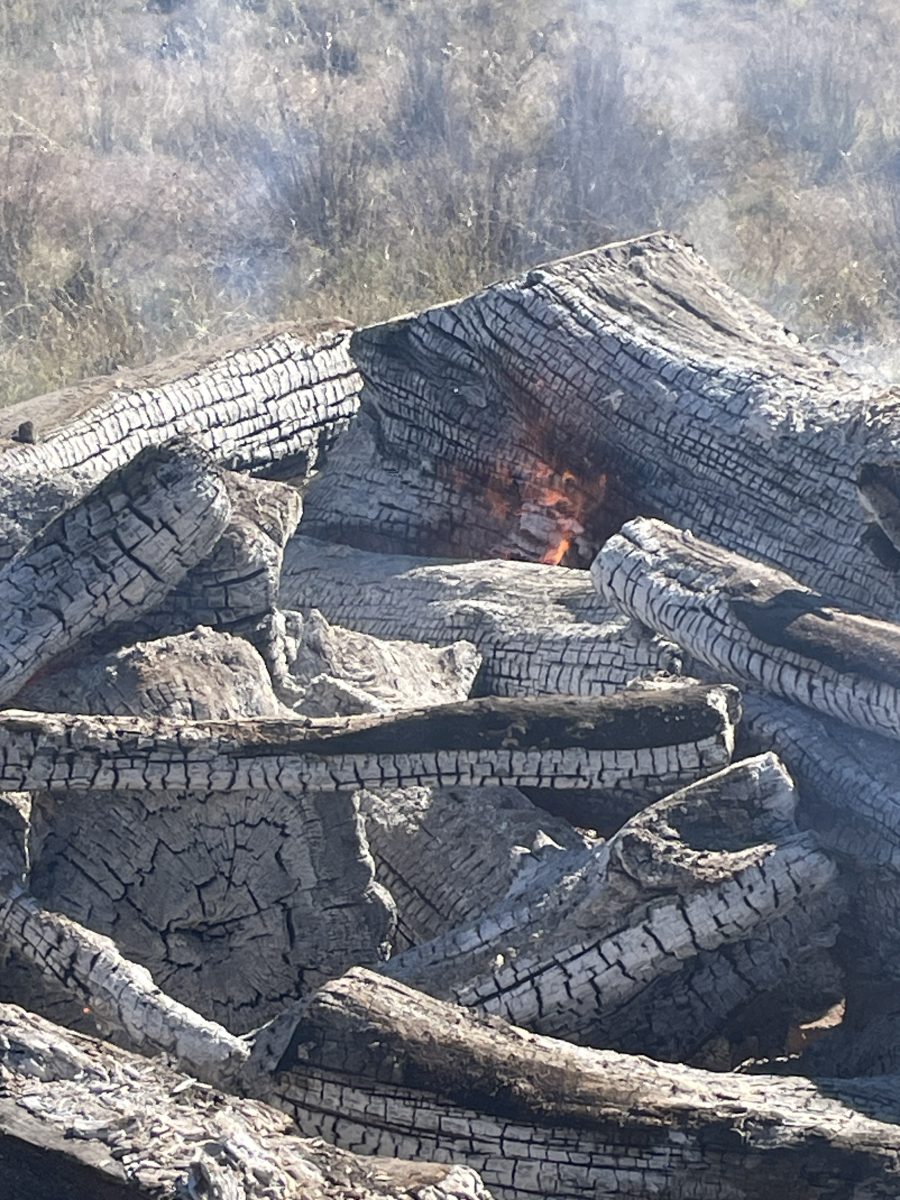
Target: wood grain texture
x=752 y=624
x=637 y=372
x=538 y=629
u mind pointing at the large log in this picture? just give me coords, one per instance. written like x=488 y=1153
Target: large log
x=268 y=405
x=113 y=555
x=372 y=1064
x=538 y=630
x=708 y=866
x=81 y=1119
x=544 y=412
x=753 y=624
x=646 y=742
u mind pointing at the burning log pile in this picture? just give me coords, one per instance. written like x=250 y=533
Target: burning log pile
x=356 y=840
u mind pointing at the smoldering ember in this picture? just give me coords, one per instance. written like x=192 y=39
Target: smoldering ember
x=457 y=758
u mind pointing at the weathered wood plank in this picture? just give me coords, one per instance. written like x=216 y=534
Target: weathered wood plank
x=753 y=624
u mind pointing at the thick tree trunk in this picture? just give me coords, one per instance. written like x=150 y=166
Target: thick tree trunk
x=80 y=1119
x=539 y=630
x=544 y=412
x=268 y=406
x=369 y=1063
x=752 y=624
x=115 y=554
x=642 y=742
x=709 y=866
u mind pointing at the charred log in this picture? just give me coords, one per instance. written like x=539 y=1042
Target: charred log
x=269 y=407
x=709 y=866
x=113 y=556
x=632 y=741
x=539 y=630
x=534 y=418
x=79 y=1118
x=370 y=1063
x=752 y=624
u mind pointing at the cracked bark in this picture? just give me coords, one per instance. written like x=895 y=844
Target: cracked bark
x=590 y=933
x=752 y=624
x=631 y=380
x=79 y=1118
x=112 y=556
x=370 y=1063
x=633 y=741
x=538 y=629
x=269 y=406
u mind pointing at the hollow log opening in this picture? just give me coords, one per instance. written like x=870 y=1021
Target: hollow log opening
x=351 y=847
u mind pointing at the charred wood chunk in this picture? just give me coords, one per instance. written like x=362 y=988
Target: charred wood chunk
x=372 y=1063
x=707 y=867
x=202 y=675
x=538 y=630
x=612 y=742
x=622 y=381
x=321 y=670
x=269 y=405
x=753 y=624
x=496 y=840
x=848 y=781
x=112 y=556
x=236 y=585
x=80 y=1118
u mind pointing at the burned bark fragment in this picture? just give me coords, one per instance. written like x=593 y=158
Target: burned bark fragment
x=752 y=624
x=539 y=630
x=496 y=839
x=709 y=866
x=848 y=781
x=625 y=380
x=652 y=740
x=81 y=1119
x=268 y=406
x=371 y=1063
x=112 y=556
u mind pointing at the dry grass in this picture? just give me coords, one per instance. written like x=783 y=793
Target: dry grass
x=172 y=170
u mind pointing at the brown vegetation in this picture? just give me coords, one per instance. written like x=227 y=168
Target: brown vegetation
x=171 y=170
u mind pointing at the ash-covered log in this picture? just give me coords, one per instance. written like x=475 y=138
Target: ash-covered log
x=112 y=556
x=536 y=417
x=753 y=624
x=539 y=630
x=268 y=404
x=709 y=866
x=79 y=1118
x=643 y=741
x=369 y=1063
